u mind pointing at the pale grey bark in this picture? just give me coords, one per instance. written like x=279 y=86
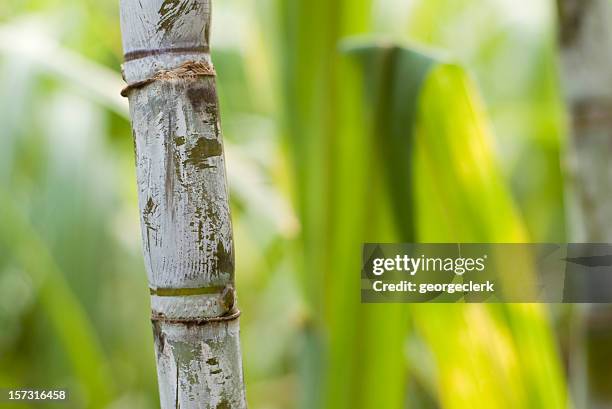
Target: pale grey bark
x=183 y=197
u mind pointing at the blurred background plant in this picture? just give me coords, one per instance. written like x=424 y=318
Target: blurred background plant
x=313 y=174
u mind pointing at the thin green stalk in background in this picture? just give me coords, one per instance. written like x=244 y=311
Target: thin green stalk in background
x=331 y=160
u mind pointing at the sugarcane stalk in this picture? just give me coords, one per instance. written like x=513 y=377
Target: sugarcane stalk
x=585 y=39
x=183 y=199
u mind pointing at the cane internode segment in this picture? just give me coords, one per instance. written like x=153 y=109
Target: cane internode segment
x=184 y=203
x=185 y=215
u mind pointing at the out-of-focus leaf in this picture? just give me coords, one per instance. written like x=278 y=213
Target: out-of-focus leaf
x=429 y=114
x=395 y=77
x=512 y=53
x=62 y=308
x=467 y=201
x=461 y=194
x=27 y=40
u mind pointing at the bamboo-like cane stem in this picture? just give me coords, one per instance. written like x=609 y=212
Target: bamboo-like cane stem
x=585 y=34
x=183 y=197
x=586 y=56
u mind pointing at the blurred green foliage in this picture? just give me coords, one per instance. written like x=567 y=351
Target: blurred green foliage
x=313 y=174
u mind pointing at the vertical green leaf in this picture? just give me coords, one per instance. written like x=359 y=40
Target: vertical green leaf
x=65 y=313
x=439 y=156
